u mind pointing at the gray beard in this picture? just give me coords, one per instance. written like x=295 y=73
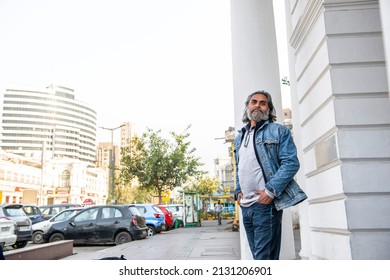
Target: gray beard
x=258 y=115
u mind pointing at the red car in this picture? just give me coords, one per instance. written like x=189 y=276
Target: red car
x=168 y=217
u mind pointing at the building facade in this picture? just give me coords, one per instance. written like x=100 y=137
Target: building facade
x=53 y=181
x=223 y=169
x=18 y=173
x=108 y=152
x=341 y=115
x=103 y=155
x=49 y=121
x=127 y=133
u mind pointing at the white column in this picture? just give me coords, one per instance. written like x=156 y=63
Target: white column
x=254 y=53
x=385 y=19
x=256 y=67
x=303 y=207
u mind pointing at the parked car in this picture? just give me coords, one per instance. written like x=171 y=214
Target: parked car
x=32 y=211
x=8 y=232
x=106 y=224
x=23 y=223
x=177 y=212
x=168 y=217
x=88 y=203
x=42 y=227
x=50 y=210
x=155 y=218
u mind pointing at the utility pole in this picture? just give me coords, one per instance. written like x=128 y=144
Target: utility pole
x=112 y=162
x=43 y=158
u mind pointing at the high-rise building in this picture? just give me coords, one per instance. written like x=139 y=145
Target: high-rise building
x=127 y=133
x=49 y=122
x=103 y=155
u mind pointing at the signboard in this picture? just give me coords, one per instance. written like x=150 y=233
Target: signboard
x=165 y=196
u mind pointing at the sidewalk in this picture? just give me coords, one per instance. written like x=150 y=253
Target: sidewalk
x=207 y=242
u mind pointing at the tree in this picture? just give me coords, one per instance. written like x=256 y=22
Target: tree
x=159 y=164
x=205 y=186
x=129 y=193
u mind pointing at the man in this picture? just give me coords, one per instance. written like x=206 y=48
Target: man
x=266 y=161
x=218 y=210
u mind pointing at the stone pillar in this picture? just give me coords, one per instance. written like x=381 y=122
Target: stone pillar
x=304 y=228
x=385 y=19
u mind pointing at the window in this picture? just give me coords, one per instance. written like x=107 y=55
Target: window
x=134 y=211
x=65 y=179
x=29 y=210
x=64 y=215
x=141 y=209
x=110 y=212
x=87 y=215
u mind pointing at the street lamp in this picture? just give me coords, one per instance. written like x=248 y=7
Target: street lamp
x=112 y=160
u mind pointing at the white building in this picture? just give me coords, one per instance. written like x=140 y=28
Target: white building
x=18 y=173
x=224 y=172
x=48 y=119
x=341 y=114
x=60 y=181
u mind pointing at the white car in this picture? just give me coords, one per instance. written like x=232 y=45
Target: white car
x=7 y=232
x=177 y=212
x=39 y=229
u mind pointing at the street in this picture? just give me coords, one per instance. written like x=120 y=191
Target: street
x=210 y=241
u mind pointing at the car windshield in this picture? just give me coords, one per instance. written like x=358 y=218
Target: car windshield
x=157 y=209
x=45 y=210
x=134 y=211
x=174 y=208
x=31 y=210
x=54 y=209
x=13 y=212
x=65 y=215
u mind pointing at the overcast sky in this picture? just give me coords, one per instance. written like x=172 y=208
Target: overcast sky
x=158 y=64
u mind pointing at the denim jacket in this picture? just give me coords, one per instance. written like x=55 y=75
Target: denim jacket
x=277 y=155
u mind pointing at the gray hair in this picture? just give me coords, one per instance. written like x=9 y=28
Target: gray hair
x=272 y=111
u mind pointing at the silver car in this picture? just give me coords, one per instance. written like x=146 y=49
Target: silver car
x=8 y=235
x=24 y=229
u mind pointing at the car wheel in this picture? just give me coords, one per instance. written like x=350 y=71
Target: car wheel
x=122 y=237
x=151 y=231
x=19 y=244
x=37 y=237
x=56 y=237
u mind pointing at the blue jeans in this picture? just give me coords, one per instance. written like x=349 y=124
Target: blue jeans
x=263 y=226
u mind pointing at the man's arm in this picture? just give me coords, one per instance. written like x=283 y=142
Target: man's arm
x=288 y=163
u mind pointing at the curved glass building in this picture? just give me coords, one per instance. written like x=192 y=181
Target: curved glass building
x=49 y=122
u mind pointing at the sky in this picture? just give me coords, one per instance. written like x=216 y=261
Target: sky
x=162 y=65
